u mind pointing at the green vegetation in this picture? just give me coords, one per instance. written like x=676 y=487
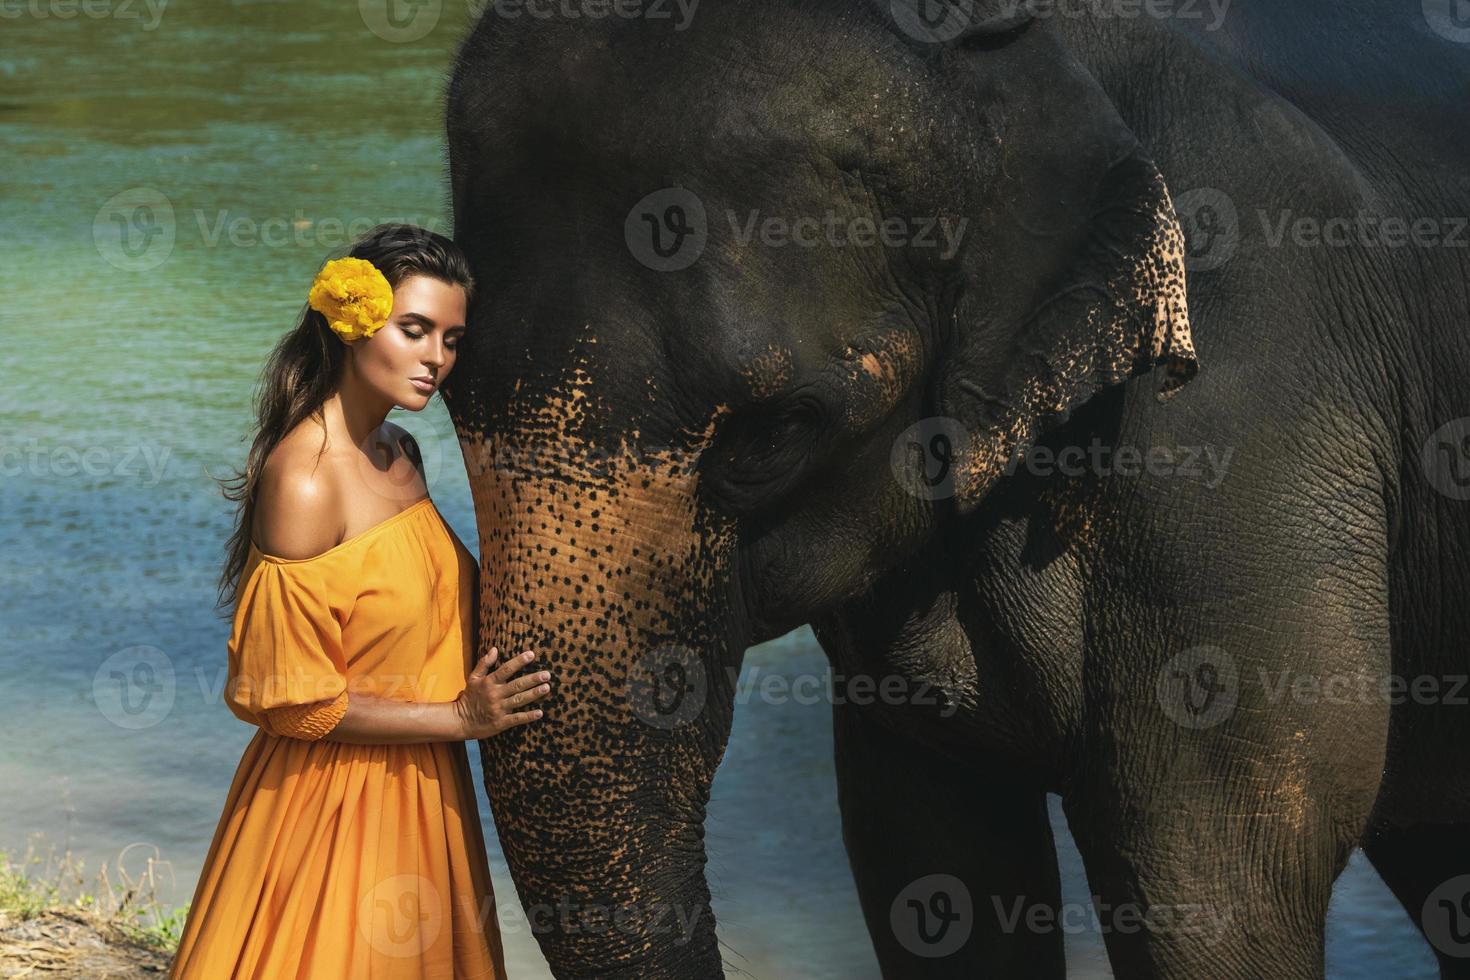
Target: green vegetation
x=51 y=919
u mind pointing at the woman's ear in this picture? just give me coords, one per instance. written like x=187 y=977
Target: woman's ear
x=1116 y=309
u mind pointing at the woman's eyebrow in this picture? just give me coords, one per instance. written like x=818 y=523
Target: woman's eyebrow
x=420 y=318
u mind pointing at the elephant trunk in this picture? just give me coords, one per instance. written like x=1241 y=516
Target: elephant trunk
x=610 y=571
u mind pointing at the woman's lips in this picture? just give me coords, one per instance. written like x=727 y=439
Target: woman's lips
x=425 y=387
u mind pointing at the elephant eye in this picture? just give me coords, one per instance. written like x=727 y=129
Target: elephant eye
x=760 y=454
x=772 y=431
x=778 y=429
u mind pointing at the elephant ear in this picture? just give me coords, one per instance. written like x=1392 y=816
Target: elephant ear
x=1116 y=309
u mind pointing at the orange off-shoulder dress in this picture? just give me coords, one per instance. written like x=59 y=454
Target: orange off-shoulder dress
x=334 y=859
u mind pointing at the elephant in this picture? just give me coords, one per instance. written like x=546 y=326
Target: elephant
x=1059 y=368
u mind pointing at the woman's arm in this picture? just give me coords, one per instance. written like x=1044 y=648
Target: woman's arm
x=371 y=720
x=487 y=707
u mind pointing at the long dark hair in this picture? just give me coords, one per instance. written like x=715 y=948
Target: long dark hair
x=306 y=365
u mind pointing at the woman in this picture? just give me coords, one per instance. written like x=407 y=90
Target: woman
x=350 y=844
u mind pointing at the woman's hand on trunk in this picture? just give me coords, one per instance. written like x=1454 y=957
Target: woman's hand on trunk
x=495 y=699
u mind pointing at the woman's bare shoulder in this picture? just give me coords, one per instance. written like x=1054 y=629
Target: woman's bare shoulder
x=298 y=501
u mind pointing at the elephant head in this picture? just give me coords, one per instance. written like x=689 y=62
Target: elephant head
x=679 y=418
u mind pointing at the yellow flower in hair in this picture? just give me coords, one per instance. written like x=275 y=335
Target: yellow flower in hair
x=353 y=295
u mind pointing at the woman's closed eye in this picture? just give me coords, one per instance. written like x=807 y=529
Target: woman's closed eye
x=451 y=344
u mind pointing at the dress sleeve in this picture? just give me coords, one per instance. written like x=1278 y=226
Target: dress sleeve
x=287 y=669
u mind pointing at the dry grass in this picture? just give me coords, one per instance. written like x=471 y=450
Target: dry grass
x=54 y=923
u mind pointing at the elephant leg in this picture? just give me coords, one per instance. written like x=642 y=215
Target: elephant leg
x=1235 y=730
x=1428 y=870
x=1236 y=914
x=1212 y=842
x=956 y=870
